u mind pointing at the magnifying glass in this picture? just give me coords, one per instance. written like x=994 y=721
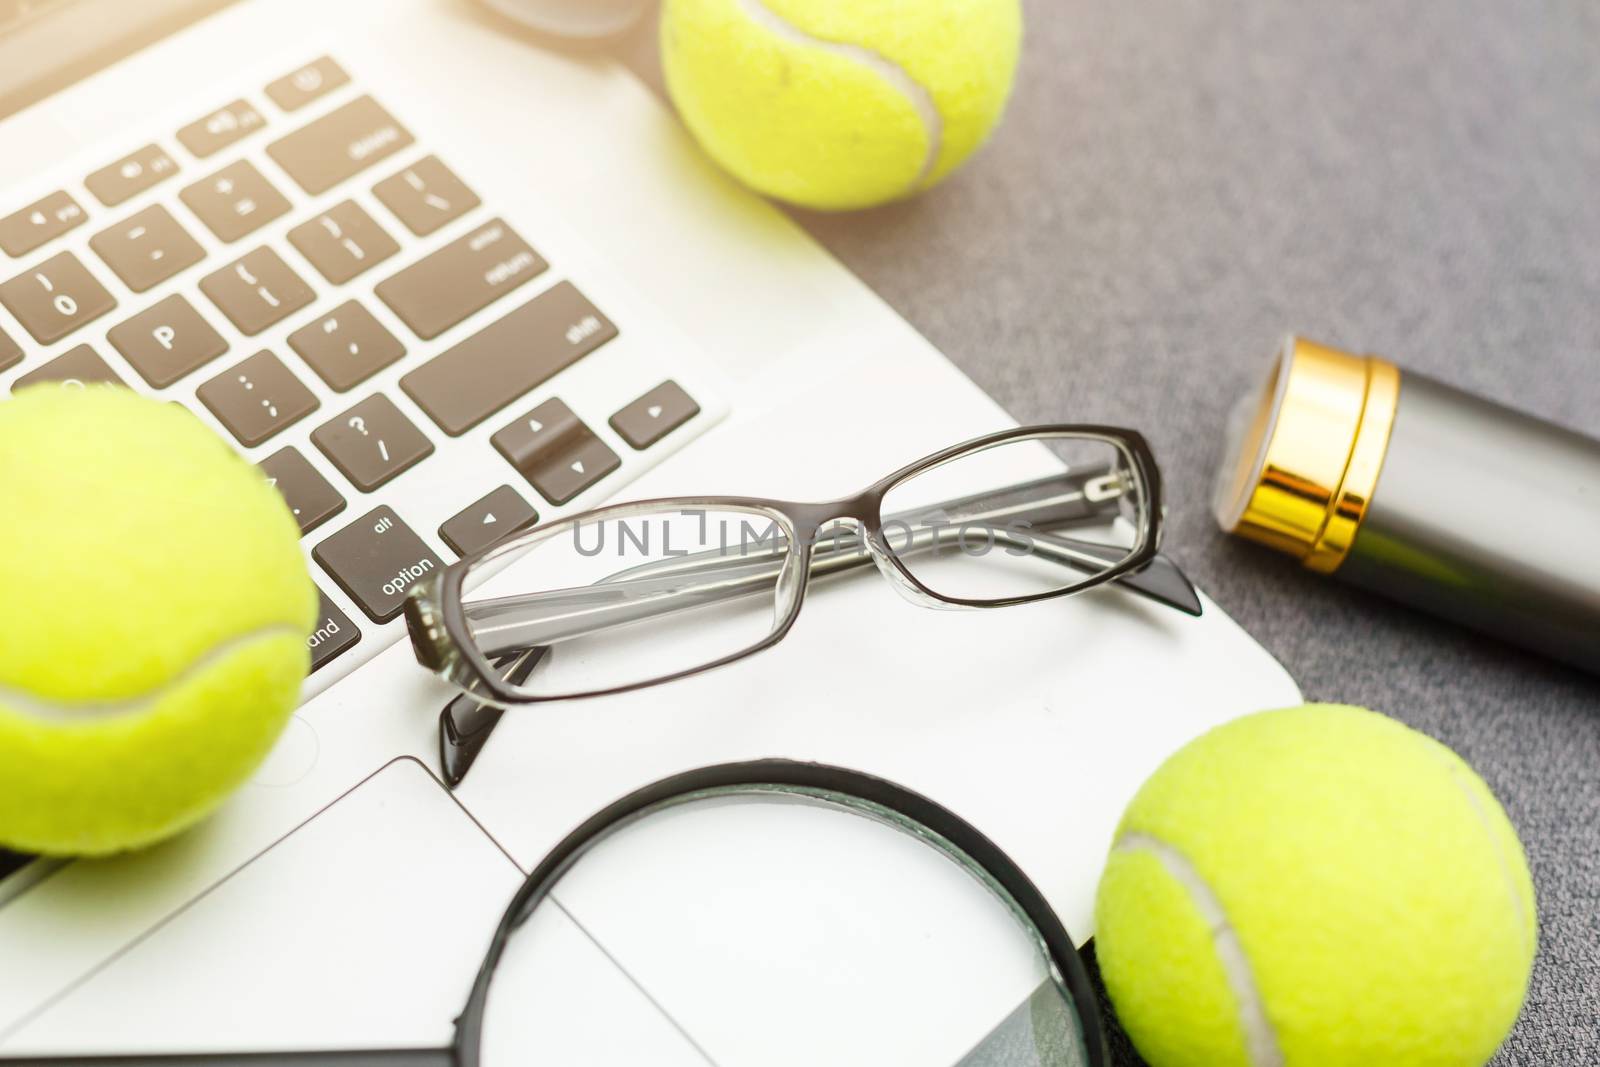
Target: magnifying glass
x=767 y=913
x=576 y=20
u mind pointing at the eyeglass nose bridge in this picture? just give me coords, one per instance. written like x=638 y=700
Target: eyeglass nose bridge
x=862 y=516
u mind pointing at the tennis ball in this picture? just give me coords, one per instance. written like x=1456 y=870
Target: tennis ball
x=154 y=611
x=1316 y=887
x=837 y=104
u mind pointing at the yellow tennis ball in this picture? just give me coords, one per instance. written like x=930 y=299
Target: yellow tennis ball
x=838 y=104
x=1316 y=887
x=154 y=611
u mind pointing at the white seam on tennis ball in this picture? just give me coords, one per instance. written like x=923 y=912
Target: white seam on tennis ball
x=69 y=713
x=1261 y=1041
x=915 y=92
x=1507 y=874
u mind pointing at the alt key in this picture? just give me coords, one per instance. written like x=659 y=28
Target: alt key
x=376 y=560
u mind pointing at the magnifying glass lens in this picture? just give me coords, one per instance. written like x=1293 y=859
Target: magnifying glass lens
x=777 y=927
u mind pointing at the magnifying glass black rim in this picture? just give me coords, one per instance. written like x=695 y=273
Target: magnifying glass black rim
x=810 y=776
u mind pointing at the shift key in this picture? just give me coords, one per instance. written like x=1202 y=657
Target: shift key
x=377 y=559
x=464 y=276
x=465 y=384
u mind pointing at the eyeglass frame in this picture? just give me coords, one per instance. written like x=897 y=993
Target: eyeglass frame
x=443 y=642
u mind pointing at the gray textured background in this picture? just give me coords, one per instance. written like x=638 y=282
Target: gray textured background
x=1175 y=186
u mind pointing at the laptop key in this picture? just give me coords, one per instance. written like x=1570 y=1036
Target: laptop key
x=317 y=78
x=372 y=443
x=147 y=248
x=464 y=385
x=310 y=496
x=339 y=145
x=654 y=415
x=256 y=291
x=257 y=398
x=552 y=448
x=464 y=276
x=221 y=128
x=562 y=477
x=73 y=369
x=346 y=346
x=376 y=560
x=426 y=195
x=342 y=242
x=10 y=352
x=334 y=633
x=55 y=298
x=488 y=521
x=131 y=175
x=41 y=221
x=166 y=341
x=235 y=201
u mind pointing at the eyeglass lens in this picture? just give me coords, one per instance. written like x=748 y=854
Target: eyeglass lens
x=631 y=597
x=1020 y=518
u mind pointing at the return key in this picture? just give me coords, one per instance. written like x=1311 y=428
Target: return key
x=464 y=276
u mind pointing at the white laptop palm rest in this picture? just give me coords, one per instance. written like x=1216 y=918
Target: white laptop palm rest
x=305 y=913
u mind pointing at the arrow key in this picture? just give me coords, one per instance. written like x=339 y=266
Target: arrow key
x=654 y=415
x=488 y=522
x=552 y=448
x=561 y=478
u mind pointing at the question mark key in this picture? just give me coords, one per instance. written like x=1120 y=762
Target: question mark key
x=372 y=442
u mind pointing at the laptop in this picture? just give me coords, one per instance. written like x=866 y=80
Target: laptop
x=361 y=240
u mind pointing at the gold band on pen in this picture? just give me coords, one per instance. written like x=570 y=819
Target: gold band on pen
x=1311 y=454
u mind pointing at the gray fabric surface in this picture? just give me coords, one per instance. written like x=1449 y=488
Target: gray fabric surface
x=1178 y=184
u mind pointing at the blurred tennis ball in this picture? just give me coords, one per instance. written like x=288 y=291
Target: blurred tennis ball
x=156 y=611
x=837 y=104
x=1316 y=887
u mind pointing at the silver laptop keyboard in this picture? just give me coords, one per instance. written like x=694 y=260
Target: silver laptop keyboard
x=546 y=456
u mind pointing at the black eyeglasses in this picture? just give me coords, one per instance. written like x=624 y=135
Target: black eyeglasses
x=902 y=935
x=639 y=594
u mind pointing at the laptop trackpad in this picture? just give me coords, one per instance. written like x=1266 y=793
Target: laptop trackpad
x=362 y=929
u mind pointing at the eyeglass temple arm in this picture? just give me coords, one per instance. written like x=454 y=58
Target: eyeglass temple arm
x=509 y=624
x=513 y=624
x=1038 y=505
